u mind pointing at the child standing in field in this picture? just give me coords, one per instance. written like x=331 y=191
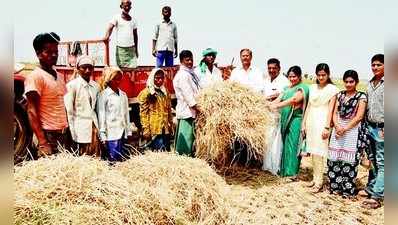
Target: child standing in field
x=113 y=113
x=127 y=37
x=155 y=112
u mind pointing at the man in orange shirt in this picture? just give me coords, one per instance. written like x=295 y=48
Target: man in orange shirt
x=45 y=89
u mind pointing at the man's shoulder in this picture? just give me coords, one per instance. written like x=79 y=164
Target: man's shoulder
x=37 y=74
x=73 y=83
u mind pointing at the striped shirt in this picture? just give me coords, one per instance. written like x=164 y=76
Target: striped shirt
x=376 y=101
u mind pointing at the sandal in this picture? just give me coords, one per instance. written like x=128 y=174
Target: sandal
x=293 y=179
x=363 y=193
x=371 y=204
x=309 y=184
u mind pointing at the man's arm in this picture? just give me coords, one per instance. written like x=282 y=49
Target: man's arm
x=154 y=48
x=175 y=42
x=109 y=32
x=69 y=101
x=101 y=117
x=33 y=114
x=135 y=34
x=154 y=40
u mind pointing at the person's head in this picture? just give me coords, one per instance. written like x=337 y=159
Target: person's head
x=158 y=79
x=85 y=66
x=351 y=80
x=322 y=73
x=378 y=65
x=274 y=67
x=294 y=75
x=246 y=56
x=111 y=77
x=166 y=12
x=125 y=5
x=209 y=56
x=46 y=48
x=186 y=58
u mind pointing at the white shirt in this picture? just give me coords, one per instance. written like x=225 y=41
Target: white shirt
x=208 y=78
x=166 y=36
x=253 y=78
x=185 y=90
x=124 y=30
x=113 y=115
x=80 y=102
x=275 y=86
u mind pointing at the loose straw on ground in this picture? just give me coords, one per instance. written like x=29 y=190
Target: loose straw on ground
x=229 y=113
x=155 y=188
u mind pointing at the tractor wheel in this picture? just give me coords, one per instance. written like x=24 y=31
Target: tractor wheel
x=22 y=135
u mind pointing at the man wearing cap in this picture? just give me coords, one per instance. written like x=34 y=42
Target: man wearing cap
x=45 y=90
x=207 y=72
x=80 y=102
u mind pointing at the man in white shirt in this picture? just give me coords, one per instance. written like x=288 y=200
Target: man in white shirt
x=186 y=87
x=275 y=82
x=80 y=103
x=164 y=43
x=207 y=72
x=248 y=75
x=127 y=37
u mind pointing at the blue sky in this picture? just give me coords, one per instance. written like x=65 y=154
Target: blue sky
x=344 y=34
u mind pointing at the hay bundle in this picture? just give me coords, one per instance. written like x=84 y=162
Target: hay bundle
x=229 y=113
x=187 y=190
x=72 y=190
x=151 y=189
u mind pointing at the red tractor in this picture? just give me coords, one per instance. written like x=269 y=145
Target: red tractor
x=22 y=131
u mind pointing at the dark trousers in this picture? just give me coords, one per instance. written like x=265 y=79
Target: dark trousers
x=165 y=57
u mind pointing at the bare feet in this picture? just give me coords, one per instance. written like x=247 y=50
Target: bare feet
x=316 y=189
x=371 y=204
x=293 y=179
x=310 y=184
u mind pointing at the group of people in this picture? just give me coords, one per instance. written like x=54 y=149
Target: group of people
x=337 y=129
x=82 y=114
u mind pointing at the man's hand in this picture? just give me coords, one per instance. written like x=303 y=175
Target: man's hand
x=154 y=52
x=175 y=54
x=44 y=149
x=273 y=96
x=146 y=136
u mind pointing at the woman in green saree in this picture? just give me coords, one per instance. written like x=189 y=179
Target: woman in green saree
x=292 y=103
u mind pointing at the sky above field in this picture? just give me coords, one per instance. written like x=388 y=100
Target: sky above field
x=345 y=34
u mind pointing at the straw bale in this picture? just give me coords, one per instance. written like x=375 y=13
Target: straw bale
x=231 y=112
x=187 y=188
x=158 y=188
